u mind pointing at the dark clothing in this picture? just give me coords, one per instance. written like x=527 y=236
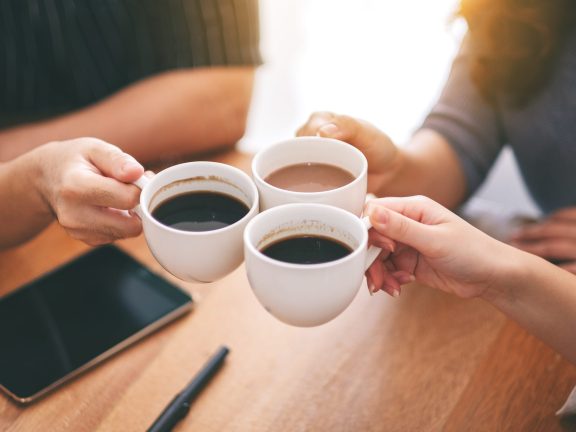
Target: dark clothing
x=58 y=55
x=542 y=134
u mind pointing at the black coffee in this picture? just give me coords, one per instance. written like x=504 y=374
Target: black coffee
x=200 y=211
x=307 y=249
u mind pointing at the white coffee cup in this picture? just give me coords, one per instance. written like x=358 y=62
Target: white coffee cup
x=306 y=295
x=312 y=150
x=196 y=256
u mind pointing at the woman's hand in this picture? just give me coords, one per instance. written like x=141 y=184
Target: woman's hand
x=378 y=148
x=553 y=239
x=86 y=184
x=434 y=246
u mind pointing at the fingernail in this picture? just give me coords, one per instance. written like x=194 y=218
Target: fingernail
x=392 y=247
x=380 y=215
x=387 y=246
x=329 y=129
x=130 y=165
x=405 y=279
x=371 y=288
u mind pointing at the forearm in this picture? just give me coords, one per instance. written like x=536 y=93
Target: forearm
x=541 y=297
x=23 y=211
x=172 y=114
x=427 y=165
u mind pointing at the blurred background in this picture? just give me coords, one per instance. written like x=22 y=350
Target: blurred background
x=381 y=60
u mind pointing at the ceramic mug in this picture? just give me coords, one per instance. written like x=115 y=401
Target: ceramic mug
x=300 y=150
x=307 y=294
x=202 y=256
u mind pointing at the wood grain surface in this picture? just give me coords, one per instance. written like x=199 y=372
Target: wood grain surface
x=423 y=362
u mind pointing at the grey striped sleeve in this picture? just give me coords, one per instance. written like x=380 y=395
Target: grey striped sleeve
x=62 y=54
x=226 y=31
x=192 y=33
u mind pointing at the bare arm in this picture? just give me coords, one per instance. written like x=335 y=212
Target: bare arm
x=23 y=212
x=439 y=249
x=168 y=115
x=541 y=297
x=427 y=165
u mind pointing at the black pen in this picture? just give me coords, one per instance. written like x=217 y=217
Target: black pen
x=180 y=405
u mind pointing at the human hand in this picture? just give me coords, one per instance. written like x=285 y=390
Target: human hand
x=84 y=182
x=378 y=148
x=423 y=241
x=553 y=239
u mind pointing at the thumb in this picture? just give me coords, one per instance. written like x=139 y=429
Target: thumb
x=341 y=127
x=401 y=228
x=331 y=130
x=376 y=145
x=114 y=163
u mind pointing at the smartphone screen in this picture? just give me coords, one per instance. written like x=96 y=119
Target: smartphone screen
x=74 y=317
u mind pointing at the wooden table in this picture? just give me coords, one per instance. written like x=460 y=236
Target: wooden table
x=423 y=362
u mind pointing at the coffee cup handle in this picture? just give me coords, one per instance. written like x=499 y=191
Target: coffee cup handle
x=140 y=183
x=373 y=251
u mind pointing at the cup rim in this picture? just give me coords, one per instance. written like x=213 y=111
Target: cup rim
x=258 y=157
x=306 y=267
x=253 y=208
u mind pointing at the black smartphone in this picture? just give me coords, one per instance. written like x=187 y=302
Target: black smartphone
x=73 y=318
